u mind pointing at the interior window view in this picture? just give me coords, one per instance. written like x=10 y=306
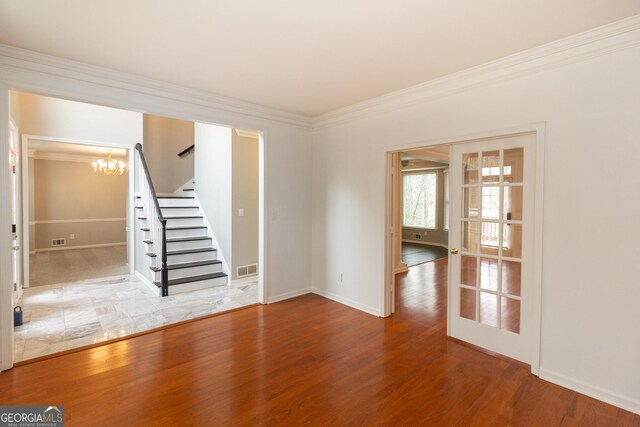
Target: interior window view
x=122 y=233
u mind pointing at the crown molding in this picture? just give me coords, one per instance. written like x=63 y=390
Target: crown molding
x=599 y=41
x=68 y=157
x=14 y=61
x=247 y=133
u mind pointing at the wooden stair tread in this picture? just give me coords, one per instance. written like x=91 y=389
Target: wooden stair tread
x=189 y=251
x=183 y=280
x=187 y=239
x=176 y=197
x=188 y=265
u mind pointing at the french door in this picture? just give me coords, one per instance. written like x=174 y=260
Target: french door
x=491 y=240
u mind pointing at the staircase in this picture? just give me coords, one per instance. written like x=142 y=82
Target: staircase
x=192 y=262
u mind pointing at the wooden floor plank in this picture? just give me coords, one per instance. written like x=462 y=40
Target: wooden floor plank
x=305 y=361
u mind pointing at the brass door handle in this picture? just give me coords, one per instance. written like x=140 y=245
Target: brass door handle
x=454 y=250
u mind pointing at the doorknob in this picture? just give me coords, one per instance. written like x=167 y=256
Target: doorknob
x=16 y=248
x=454 y=250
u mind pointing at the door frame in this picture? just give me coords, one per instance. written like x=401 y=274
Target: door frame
x=18 y=200
x=539 y=130
x=143 y=100
x=25 y=195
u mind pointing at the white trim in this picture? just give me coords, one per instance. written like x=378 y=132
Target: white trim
x=263 y=224
x=536 y=294
x=66 y=248
x=6 y=255
x=247 y=133
x=68 y=157
x=622 y=34
x=25 y=213
x=127 y=145
x=148 y=283
x=422 y=242
x=20 y=65
x=73 y=221
x=288 y=295
x=348 y=302
x=625 y=402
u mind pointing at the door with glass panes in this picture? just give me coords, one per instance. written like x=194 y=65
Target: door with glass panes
x=491 y=241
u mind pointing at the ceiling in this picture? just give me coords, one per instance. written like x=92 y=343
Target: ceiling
x=75 y=151
x=305 y=57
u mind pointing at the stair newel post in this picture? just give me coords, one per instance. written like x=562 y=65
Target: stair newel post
x=165 y=271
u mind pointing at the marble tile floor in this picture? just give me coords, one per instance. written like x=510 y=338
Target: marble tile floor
x=72 y=265
x=70 y=315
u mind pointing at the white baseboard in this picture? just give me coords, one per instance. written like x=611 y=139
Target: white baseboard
x=66 y=248
x=422 y=242
x=288 y=295
x=625 y=402
x=148 y=283
x=347 y=301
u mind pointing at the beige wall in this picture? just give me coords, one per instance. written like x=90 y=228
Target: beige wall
x=52 y=117
x=164 y=138
x=244 y=195
x=438 y=235
x=65 y=190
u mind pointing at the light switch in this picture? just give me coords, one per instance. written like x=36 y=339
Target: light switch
x=241 y=212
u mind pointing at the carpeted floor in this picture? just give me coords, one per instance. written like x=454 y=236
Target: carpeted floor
x=417 y=253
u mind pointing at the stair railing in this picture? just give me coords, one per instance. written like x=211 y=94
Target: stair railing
x=156 y=223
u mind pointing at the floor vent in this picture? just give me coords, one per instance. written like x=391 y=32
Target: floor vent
x=58 y=242
x=247 y=270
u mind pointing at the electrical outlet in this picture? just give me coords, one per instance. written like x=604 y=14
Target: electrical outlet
x=339 y=277
x=72 y=236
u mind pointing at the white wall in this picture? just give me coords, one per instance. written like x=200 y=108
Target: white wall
x=590 y=312
x=213 y=182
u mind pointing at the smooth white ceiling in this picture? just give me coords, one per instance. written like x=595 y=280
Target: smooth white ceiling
x=302 y=56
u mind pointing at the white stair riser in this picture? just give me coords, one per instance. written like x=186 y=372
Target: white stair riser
x=190 y=271
x=176 y=202
x=189 y=232
x=183 y=221
x=189 y=244
x=169 y=211
x=194 y=286
x=197 y=256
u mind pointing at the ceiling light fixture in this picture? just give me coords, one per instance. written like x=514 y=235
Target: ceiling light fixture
x=108 y=167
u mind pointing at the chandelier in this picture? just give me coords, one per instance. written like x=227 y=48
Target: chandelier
x=108 y=167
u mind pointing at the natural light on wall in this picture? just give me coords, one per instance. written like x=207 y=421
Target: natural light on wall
x=419 y=203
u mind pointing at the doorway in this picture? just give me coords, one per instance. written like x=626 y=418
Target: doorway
x=494 y=219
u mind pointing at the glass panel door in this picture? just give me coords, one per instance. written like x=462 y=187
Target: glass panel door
x=490 y=264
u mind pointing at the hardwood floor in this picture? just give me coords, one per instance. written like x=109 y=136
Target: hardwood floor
x=305 y=361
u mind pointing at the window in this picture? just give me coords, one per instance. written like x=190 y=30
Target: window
x=445 y=176
x=491 y=210
x=419 y=194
